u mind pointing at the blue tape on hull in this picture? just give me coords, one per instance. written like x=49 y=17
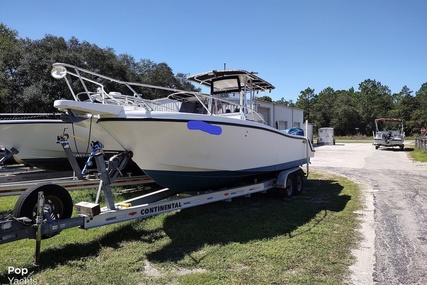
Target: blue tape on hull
x=204 y=127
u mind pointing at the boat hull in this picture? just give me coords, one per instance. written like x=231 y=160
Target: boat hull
x=191 y=152
x=36 y=141
x=389 y=143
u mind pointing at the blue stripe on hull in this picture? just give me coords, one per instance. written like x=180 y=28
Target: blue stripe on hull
x=186 y=181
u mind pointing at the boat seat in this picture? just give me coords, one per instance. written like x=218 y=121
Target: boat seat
x=192 y=107
x=188 y=107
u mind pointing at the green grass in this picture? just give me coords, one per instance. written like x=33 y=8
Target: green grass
x=418 y=155
x=258 y=240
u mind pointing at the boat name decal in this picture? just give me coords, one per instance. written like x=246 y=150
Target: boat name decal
x=204 y=127
x=153 y=210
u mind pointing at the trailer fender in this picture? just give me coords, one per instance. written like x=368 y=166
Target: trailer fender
x=285 y=180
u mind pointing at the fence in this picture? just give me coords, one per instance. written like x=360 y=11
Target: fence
x=421 y=143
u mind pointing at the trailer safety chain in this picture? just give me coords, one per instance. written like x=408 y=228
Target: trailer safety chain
x=24 y=220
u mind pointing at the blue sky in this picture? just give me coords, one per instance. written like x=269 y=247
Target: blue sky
x=292 y=44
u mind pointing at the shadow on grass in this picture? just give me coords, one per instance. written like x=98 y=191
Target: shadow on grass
x=396 y=149
x=244 y=219
x=52 y=257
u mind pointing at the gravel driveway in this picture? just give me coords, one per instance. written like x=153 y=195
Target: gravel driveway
x=394 y=250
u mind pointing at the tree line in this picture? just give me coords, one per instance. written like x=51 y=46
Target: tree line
x=352 y=112
x=27 y=87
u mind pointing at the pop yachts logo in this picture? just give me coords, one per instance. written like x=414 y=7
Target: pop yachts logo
x=21 y=276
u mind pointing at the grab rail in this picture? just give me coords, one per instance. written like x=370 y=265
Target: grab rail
x=211 y=105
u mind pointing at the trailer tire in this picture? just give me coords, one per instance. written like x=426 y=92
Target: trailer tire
x=290 y=188
x=298 y=182
x=56 y=197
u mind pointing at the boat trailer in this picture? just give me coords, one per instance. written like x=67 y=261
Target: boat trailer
x=44 y=209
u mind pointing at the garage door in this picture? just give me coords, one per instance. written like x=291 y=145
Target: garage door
x=265 y=112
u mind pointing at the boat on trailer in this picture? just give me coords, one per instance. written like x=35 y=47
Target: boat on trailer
x=189 y=141
x=31 y=138
x=45 y=209
x=389 y=133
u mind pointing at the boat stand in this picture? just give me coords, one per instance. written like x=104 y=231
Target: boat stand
x=8 y=154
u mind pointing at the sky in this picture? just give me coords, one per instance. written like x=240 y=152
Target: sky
x=293 y=44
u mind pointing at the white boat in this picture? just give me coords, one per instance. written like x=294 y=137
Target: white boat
x=389 y=133
x=191 y=141
x=33 y=139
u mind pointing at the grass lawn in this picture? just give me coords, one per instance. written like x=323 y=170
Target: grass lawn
x=418 y=155
x=258 y=240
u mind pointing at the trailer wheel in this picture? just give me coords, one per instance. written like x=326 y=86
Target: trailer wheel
x=289 y=190
x=298 y=182
x=56 y=197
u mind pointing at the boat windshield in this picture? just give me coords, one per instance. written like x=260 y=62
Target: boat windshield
x=200 y=103
x=225 y=85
